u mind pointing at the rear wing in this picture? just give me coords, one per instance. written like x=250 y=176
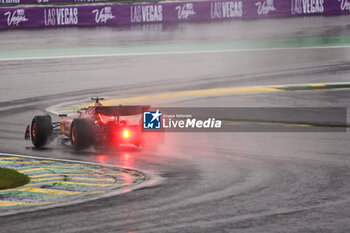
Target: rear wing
x=122 y=110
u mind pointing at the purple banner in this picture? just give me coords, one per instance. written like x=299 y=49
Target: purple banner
x=111 y=14
x=32 y=2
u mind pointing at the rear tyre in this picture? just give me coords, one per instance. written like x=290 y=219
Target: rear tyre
x=82 y=133
x=41 y=130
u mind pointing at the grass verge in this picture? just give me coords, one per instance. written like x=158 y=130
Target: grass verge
x=10 y=178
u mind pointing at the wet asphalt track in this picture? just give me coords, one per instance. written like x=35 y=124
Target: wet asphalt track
x=222 y=182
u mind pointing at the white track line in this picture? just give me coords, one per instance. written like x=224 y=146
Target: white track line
x=169 y=53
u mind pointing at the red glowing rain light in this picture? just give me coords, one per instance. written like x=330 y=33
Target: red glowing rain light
x=126 y=133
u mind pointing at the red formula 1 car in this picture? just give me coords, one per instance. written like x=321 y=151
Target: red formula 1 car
x=95 y=125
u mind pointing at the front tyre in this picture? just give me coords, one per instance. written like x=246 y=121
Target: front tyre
x=82 y=133
x=41 y=130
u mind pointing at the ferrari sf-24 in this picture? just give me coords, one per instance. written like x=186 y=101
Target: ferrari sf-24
x=94 y=125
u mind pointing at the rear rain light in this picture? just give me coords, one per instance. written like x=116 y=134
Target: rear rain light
x=126 y=133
